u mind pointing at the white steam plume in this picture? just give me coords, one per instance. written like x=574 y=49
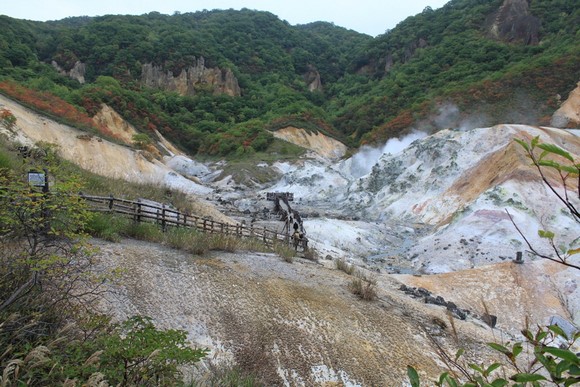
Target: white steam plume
x=367 y=157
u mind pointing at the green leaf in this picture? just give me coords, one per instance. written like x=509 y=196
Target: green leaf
x=546 y=234
x=499 y=383
x=413 y=377
x=459 y=353
x=562 y=354
x=571 y=170
x=573 y=251
x=476 y=368
x=517 y=349
x=556 y=150
x=452 y=382
x=528 y=334
x=535 y=141
x=492 y=368
x=500 y=348
x=562 y=367
x=558 y=331
x=523 y=377
x=523 y=144
x=550 y=163
x=541 y=335
x=442 y=378
x=571 y=381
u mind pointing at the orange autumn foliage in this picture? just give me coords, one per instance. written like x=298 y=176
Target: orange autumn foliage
x=53 y=106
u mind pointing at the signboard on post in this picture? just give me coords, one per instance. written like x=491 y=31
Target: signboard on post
x=38 y=180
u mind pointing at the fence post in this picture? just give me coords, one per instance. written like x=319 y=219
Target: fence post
x=137 y=215
x=111 y=201
x=163 y=224
x=184 y=220
x=264 y=238
x=204 y=225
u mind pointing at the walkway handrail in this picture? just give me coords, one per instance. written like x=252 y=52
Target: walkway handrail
x=144 y=211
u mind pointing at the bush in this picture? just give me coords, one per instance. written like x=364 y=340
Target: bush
x=137 y=353
x=342 y=265
x=145 y=231
x=106 y=226
x=548 y=358
x=285 y=252
x=363 y=286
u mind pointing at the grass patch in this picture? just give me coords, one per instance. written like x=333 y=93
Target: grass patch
x=363 y=286
x=285 y=252
x=342 y=265
x=106 y=226
x=113 y=227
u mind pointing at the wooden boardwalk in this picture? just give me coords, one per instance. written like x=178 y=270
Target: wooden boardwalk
x=164 y=216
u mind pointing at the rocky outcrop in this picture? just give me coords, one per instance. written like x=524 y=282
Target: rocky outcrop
x=120 y=128
x=568 y=115
x=191 y=79
x=408 y=53
x=317 y=142
x=312 y=79
x=513 y=22
x=77 y=72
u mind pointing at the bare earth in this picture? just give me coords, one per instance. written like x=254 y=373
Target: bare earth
x=290 y=323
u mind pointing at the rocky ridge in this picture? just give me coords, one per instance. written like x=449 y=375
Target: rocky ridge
x=220 y=81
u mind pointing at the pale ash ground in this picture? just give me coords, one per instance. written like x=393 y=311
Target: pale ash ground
x=302 y=315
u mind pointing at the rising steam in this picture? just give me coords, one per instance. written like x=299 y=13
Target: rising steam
x=367 y=157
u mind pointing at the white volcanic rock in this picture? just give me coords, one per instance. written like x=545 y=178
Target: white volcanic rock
x=451 y=188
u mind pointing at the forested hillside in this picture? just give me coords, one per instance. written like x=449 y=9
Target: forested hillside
x=248 y=72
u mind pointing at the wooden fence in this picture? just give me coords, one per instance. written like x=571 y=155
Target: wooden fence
x=145 y=211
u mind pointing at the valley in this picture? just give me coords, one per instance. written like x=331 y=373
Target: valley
x=430 y=215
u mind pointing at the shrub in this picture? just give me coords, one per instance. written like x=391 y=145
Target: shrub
x=548 y=357
x=106 y=226
x=285 y=252
x=7 y=118
x=342 y=265
x=137 y=353
x=363 y=286
x=145 y=231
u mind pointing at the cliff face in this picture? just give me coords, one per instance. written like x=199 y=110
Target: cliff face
x=312 y=79
x=513 y=22
x=568 y=115
x=77 y=72
x=191 y=78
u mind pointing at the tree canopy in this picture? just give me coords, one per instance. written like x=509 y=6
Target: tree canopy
x=372 y=88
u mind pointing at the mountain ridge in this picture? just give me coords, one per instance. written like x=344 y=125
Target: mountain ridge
x=437 y=57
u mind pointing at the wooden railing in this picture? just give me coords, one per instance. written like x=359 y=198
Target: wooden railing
x=145 y=211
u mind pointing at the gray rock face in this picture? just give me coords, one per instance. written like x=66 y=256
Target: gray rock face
x=513 y=22
x=312 y=79
x=191 y=79
x=77 y=72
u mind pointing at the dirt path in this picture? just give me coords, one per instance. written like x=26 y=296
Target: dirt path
x=291 y=324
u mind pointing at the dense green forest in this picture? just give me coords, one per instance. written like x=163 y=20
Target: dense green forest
x=372 y=88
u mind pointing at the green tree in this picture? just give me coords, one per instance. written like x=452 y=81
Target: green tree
x=42 y=236
x=137 y=353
